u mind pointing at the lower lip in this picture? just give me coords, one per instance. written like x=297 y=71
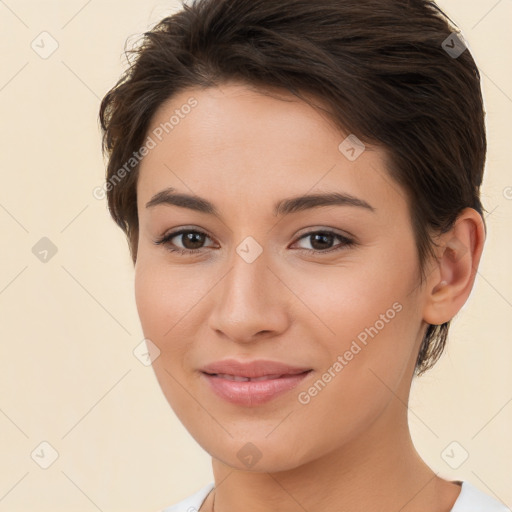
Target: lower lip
x=251 y=393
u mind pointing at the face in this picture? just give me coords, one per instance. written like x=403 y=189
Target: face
x=284 y=322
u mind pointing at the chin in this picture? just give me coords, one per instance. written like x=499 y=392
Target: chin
x=256 y=452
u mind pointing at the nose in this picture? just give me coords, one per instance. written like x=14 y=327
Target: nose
x=251 y=302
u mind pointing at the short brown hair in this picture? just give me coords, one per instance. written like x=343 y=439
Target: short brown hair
x=381 y=66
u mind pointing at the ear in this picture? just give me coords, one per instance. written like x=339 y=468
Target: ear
x=451 y=280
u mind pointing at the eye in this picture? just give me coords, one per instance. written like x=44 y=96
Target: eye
x=322 y=241
x=191 y=241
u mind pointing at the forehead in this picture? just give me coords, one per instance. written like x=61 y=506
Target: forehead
x=256 y=143
x=231 y=113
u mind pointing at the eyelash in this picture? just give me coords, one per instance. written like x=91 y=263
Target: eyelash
x=346 y=242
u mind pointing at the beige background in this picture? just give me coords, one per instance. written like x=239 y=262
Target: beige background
x=69 y=326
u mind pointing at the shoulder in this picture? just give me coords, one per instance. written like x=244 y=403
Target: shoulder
x=192 y=503
x=472 y=499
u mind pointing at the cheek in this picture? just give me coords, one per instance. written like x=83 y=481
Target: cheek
x=163 y=296
x=358 y=302
x=368 y=317
x=160 y=305
x=153 y=300
x=170 y=303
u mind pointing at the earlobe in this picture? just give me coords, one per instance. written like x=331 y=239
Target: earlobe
x=451 y=282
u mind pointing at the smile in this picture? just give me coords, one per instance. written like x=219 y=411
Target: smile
x=253 y=383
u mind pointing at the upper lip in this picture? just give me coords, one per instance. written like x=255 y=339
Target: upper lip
x=252 y=369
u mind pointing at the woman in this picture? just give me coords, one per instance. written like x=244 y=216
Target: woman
x=299 y=184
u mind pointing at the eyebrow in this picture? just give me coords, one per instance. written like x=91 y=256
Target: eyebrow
x=287 y=206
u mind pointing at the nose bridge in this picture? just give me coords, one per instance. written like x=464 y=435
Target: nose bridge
x=248 y=299
x=248 y=284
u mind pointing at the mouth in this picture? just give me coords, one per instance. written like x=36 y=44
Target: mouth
x=240 y=378
x=254 y=383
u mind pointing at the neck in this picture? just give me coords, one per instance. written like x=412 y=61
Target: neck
x=380 y=470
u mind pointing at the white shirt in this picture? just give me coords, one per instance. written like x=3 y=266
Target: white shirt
x=470 y=500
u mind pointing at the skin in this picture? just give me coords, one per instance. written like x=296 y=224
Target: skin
x=350 y=446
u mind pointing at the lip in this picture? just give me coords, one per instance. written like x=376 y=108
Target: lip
x=252 y=383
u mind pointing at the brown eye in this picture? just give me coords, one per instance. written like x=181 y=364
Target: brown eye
x=192 y=239
x=322 y=241
x=185 y=241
